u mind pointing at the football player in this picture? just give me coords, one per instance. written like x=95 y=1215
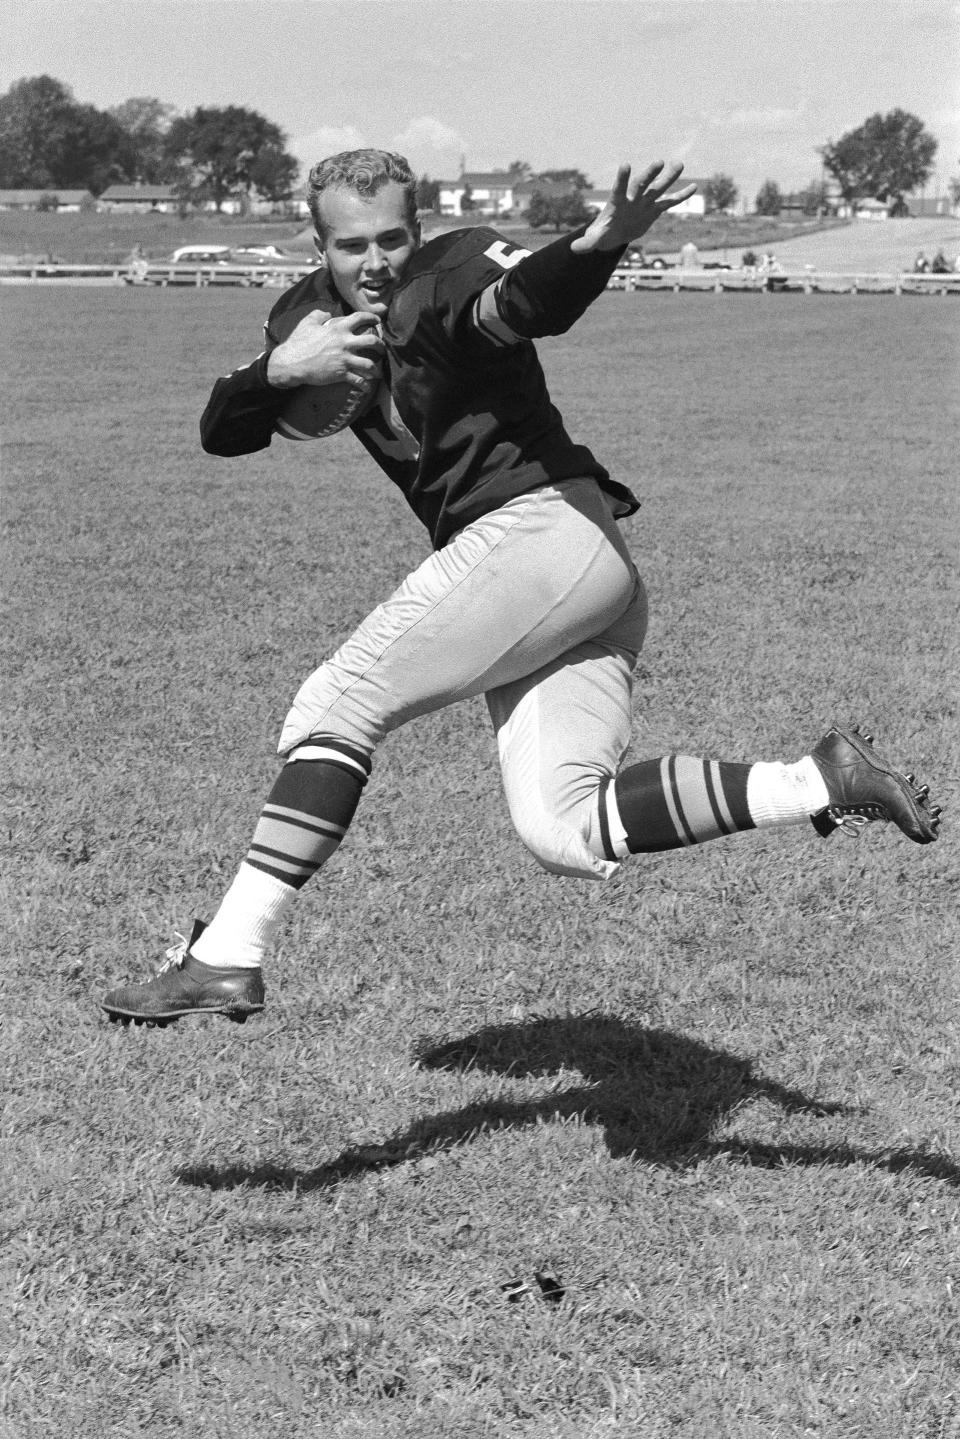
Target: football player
x=529 y=597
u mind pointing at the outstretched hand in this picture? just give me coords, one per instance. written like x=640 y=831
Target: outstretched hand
x=633 y=208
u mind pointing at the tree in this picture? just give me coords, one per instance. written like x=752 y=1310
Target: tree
x=769 y=199
x=887 y=157
x=428 y=193
x=720 y=193
x=560 y=212
x=519 y=170
x=146 y=120
x=273 y=173
x=98 y=153
x=216 y=147
x=48 y=141
x=576 y=178
x=815 y=198
x=34 y=120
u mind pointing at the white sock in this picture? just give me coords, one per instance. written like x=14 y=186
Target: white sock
x=779 y=794
x=244 y=928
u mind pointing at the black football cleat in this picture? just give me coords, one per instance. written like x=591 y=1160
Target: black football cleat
x=863 y=787
x=184 y=985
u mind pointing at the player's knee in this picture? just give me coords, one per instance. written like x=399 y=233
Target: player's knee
x=324 y=705
x=559 y=849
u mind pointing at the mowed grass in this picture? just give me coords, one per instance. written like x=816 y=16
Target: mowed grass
x=507 y=1155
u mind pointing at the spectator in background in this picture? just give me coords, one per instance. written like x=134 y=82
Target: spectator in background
x=921 y=264
x=939 y=265
x=689 y=256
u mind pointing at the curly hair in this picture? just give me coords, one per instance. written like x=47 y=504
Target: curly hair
x=365 y=171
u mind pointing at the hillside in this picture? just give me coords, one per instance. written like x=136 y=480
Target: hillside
x=879 y=245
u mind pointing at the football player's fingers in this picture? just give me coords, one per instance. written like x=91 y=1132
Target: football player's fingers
x=669 y=175
x=666 y=202
x=360 y=321
x=620 y=184
x=644 y=181
x=368 y=344
x=361 y=368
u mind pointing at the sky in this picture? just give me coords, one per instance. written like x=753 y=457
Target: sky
x=747 y=87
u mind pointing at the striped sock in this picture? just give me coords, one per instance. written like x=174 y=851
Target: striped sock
x=306 y=815
x=677 y=801
x=308 y=810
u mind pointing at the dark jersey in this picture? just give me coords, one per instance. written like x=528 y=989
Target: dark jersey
x=462 y=421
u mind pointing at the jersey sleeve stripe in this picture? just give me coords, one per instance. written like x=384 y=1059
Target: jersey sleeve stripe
x=489 y=321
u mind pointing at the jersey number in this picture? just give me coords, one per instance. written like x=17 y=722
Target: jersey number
x=505 y=255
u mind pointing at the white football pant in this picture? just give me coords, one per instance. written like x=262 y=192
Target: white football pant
x=539 y=607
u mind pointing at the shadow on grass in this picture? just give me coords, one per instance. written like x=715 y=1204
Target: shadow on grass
x=658 y=1096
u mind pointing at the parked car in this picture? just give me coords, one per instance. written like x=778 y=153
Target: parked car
x=261 y=255
x=201 y=255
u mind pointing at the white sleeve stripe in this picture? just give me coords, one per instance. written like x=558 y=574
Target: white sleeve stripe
x=487 y=318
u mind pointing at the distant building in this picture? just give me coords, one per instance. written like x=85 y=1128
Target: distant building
x=50 y=197
x=524 y=191
x=139 y=199
x=930 y=207
x=696 y=204
x=491 y=192
x=868 y=209
x=595 y=199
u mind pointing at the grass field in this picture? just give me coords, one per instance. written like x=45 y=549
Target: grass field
x=507 y=1155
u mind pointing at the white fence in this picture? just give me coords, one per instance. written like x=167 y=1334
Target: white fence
x=809 y=281
x=718 y=281
x=161 y=273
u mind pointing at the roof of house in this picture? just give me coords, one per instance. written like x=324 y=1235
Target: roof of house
x=549 y=189
x=481 y=180
x=30 y=197
x=120 y=193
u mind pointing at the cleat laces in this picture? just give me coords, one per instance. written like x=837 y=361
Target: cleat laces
x=175 y=955
x=852 y=824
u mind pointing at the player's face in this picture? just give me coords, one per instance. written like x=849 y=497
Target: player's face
x=366 y=243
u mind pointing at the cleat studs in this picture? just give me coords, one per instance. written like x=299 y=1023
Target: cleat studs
x=923 y=791
x=868 y=737
x=910 y=778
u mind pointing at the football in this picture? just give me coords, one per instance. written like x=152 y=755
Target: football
x=314 y=411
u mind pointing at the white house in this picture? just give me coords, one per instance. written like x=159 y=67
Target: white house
x=138 y=199
x=595 y=199
x=53 y=197
x=697 y=203
x=491 y=192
